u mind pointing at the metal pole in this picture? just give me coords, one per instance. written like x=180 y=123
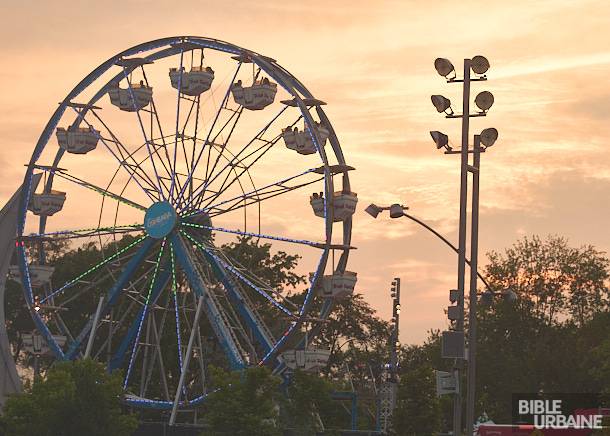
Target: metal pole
x=472 y=311
x=457 y=400
x=185 y=363
x=96 y=319
x=396 y=313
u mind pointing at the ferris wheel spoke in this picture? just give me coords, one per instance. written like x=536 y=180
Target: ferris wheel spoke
x=104 y=192
x=238 y=161
x=258 y=196
x=256 y=235
x=243 y=170
x=174 y=176
x=189 y=179
x=154 y=114
x=279 y=186
x=156 y=286
x=238 y=274
x=132 y=169
x=160 y=184
x=85 y=233
x=123 y=281
x=93 y=268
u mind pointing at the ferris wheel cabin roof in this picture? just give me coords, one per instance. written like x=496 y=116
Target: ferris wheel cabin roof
x=306 y=101
x=132 y=62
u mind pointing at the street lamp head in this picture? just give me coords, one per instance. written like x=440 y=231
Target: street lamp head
x=440 y=139
x=487 y=298
x=510 y=296
x=397 y=210
x=479 y=64
x=484 y=100
x=373 y=210
x=444 y=67
x=442 y=104
x=489 y=136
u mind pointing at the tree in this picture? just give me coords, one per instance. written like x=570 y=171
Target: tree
x=74 y=399
x=556 y=280
x=309 y=397
x=554 y=338
x=418 y=408
x=243 y=403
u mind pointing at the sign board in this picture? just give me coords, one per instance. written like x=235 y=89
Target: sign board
x=452 y=345
x=34 y=343
x=445 y=383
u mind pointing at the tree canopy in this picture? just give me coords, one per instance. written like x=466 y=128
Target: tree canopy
x=73 y=399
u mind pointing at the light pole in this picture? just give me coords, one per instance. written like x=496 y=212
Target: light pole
x=484 y=100
x=453 y=343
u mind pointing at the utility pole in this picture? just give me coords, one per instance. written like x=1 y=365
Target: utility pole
x=453 y=345
x=389 y=375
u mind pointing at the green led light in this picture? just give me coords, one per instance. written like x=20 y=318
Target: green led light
x=99 y=265
x=154 y=278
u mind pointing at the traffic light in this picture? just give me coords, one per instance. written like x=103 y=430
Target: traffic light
x=452 y=341
x=455 y=313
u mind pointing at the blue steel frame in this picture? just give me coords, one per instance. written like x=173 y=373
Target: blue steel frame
x=167 y=47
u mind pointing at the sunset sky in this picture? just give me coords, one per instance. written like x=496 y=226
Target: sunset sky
x=372 y=62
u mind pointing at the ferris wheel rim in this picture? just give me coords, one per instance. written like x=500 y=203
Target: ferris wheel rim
x=274 y=70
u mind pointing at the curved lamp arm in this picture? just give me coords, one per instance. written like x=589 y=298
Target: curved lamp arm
x=446 y=241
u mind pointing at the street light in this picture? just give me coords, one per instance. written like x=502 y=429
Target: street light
x=484 y=101
x=487 y=297
x=373 y=210
x=453 y=294
x=396 y=210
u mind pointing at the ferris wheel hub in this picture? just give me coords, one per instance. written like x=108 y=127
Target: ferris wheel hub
x=160 y=219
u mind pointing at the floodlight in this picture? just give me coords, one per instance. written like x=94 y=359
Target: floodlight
x=440 y=139
x=489 y=136
x=373 y=210
x=479 y=64
x=396 y=211
x=484 y=100
x=441 y=103
x=443 y=66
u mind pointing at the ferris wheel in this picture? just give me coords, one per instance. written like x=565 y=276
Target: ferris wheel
x=151 y=167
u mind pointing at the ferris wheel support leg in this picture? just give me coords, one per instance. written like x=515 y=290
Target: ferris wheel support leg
x=187 y=360
x=113 y=293
x=243 y=309
x=213 y=312
x=94 y=327
x=161 y=283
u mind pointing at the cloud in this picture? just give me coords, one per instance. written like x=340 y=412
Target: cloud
x=372 y=63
